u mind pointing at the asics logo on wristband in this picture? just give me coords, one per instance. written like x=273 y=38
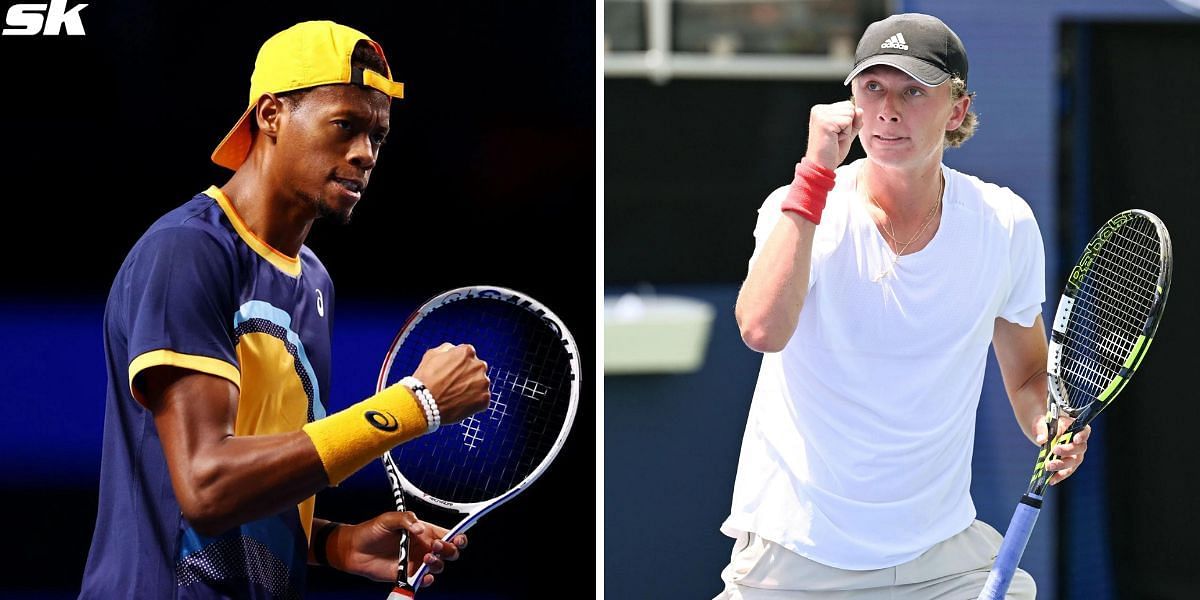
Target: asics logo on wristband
x=381 y=420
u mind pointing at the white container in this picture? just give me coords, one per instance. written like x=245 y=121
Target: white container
x=655 y=334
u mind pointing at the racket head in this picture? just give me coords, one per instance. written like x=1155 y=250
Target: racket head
x=1109 y=312
x=533 y=365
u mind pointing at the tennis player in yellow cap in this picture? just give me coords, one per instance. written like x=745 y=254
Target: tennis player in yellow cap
x=217 y=342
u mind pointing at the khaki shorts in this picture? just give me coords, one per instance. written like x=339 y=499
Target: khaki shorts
x=955 y=569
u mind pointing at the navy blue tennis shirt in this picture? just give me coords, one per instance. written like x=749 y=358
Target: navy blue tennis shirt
x=200 y=291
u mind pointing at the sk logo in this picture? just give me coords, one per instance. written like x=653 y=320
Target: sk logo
x=27 y=19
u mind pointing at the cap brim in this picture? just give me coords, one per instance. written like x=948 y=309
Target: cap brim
x=232 y=150
x=916 y=68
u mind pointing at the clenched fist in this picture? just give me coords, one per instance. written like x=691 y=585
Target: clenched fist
x=457 y=379
x=831 y=130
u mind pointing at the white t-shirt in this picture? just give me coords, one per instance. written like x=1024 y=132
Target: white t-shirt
x=857 y=451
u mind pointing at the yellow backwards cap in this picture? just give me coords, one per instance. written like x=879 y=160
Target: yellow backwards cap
x=302 y=56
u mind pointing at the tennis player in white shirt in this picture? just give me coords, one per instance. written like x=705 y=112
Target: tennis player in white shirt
x=874 y=291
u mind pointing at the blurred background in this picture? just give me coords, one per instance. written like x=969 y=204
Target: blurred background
x=1086 y=109
x=488 y=177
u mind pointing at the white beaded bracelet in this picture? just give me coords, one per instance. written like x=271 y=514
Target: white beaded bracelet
x=425 y=397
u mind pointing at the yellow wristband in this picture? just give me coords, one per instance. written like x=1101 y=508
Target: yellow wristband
x=348 y=440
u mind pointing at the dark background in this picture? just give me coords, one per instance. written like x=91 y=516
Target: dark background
x=1086 y=109
x=488 y=177
x=1119 y=160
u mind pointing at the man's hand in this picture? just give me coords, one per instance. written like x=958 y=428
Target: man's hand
x=371 y=548
x=457 y=379
x=1070 y=455
x=831 y=130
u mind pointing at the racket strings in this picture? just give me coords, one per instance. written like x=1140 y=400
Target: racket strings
x=1105 y=331
x=1111 y=327
x=1130 y=277
x=1139 y=274
x=531 y=382
x=1112 y=306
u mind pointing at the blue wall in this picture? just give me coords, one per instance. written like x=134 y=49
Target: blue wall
x=52 y=366
x=670 y=454
x=52 y=363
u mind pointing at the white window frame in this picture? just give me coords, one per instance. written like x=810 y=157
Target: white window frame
x=660 y=64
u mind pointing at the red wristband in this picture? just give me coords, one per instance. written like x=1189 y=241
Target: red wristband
x=809 y=189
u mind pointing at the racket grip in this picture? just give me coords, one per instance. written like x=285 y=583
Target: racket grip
x=1016 y=537
x=399 y=594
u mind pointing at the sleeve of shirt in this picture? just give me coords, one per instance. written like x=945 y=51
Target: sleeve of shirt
x=1027 y=260
x=768 y=216
x=181 y=306
x=771 y=212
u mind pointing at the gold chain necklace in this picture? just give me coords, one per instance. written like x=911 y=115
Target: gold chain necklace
x=900 y=248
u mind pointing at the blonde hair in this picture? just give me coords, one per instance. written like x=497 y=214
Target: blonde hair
x=954 y=139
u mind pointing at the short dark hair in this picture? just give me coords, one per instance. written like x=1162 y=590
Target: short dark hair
x=363 y=57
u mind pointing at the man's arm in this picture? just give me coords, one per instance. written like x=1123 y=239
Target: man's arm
x=1021 y=352
x=222 y=480
x=769 y=303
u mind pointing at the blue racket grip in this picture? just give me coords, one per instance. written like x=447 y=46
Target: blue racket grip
x=1015 y=540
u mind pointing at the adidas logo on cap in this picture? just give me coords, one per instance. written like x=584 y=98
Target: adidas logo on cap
x=896 y=41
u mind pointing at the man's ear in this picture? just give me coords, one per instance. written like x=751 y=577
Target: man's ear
x=267 y=114
x=959 y=112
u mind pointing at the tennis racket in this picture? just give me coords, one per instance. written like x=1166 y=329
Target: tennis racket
x=473 y=466
x=1106 y=319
